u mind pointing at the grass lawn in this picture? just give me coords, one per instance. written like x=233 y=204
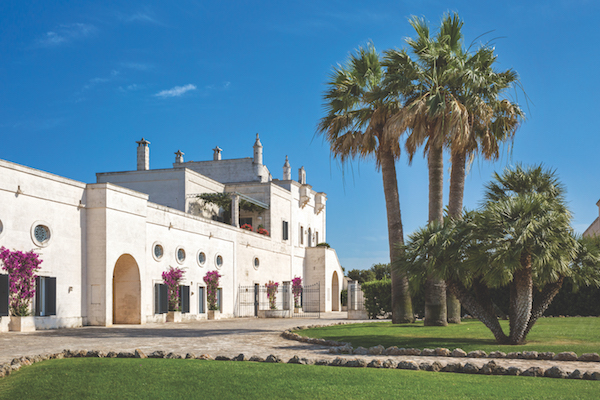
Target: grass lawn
x=81 y=378
x=581 y=335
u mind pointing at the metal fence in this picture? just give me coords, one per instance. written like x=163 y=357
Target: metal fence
x=253 y=301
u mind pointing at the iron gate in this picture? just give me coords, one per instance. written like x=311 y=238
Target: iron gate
x=253 y=300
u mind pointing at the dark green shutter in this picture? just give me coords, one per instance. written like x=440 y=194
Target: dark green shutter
x=164 y=299
x=184 y=298
x=38 y=296
x=4 y=294
x=285 y=230
x=50 y=296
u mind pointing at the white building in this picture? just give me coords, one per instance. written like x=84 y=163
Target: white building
x=105 y=245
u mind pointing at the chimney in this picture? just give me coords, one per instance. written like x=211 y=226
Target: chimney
x=258 y=151
x=143 y=155
x=217 y=153
x=179 y=156
x=302 y=176
x=287 y=170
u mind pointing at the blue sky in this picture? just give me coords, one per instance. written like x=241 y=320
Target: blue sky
x=81 y=81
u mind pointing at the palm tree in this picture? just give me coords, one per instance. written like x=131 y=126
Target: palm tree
x=491 y=120
x=519 y=240
x=433 y=113
x=358 y=107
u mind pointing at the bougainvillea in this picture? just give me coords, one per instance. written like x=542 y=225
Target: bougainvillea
x=272 y=294
x=21 y=268
x=297 y=291
x=212 y=284
x=172 y=277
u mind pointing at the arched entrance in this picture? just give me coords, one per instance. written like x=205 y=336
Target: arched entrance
x=127 y=304
x=335 y=289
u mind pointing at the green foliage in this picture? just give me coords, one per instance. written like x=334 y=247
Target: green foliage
x=376 y=272
x=323 y=244
x=344 y=297
x=223 y=201
x=118 y=378
x=549 y=334
x=378 y=297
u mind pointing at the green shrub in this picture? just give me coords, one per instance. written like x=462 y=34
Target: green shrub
x=344 y=297
x=378 y=297
x=323 y=244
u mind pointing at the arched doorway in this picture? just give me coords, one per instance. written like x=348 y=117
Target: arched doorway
x=127 y=304
x=335 y=289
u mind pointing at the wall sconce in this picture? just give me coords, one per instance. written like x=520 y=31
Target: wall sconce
x=80 y=205
x=19 y=191
x=170 y=225
x=70 y=289
x=210 y=235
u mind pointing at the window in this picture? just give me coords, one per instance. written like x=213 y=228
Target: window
x=201 y=300
x=161 y=298
x=45 y=296
x=201 y=258
x=316 y=237
x=220 y=299
x=184 y=298
x=301 y=234
x=180 y=254
x=41 y=234
x=244 y=221
x=256 y=263
x=285 y=230
x=219 y=261
x=157 y=251
x=309 y=239
x=4 y=293
x=1 y=228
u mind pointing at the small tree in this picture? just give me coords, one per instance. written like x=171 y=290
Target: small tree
x=297 y=291
x=21 y=268
x=172 y=277
x=212 y=284
x=272 y=293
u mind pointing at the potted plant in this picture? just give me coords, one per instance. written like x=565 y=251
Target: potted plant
x=172 y=278
x=262 y=230
x=21 y=268
x=297 y=292
x=247 y=227
x=212 y=284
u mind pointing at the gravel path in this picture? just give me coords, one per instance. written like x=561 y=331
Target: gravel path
x=249 y=336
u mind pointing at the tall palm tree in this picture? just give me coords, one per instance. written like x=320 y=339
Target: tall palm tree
x=358 y=108
x=491 y=120
x=433 y=113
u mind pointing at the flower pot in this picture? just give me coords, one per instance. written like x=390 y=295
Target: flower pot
x=213 y=314
x=297 y=310
x=174 y=316
x=22 y=324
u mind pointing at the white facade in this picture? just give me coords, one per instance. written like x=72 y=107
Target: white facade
x=103 y=236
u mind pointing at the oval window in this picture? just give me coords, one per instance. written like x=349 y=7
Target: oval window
x=158 y=251
x=219 y=261
x=180 y=255
x=201 y=258
x=41 y=234
x=256 y=263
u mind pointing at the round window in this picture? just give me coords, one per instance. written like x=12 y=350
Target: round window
x=158 y=251
x=219 y=261
x=256 y=262
x=201 y=258
x=41 y=234
x=1 y=228
x=180 y=255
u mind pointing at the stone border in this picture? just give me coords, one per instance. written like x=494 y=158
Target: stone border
x=346 y=348
x=489 y=368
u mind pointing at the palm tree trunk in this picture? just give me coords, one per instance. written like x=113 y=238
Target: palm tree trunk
x=478 y=310
x=542 y=301
x=435 y=289
x=455 y=205
x=402 y=311
x=521 y=299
